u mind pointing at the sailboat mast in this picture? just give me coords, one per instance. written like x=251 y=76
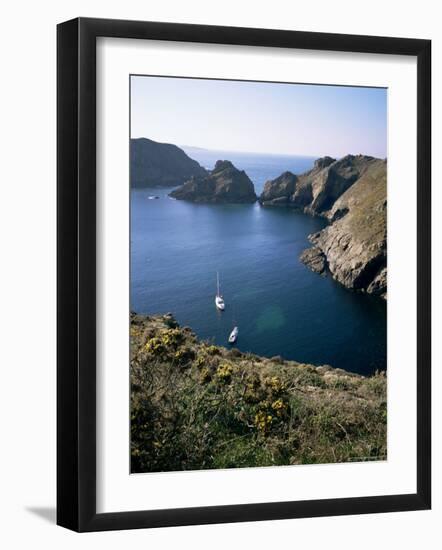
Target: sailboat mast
x=217 y=283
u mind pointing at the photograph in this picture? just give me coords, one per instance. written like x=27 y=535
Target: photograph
x=220 y=218
x=258 y=274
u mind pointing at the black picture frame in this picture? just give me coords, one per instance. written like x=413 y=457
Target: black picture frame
x=76 y=274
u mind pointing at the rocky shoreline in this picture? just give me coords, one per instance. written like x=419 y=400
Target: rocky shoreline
x=350 y=193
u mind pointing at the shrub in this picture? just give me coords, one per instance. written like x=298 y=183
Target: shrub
x=224 y=372
x=198 y=406
x=155 y=346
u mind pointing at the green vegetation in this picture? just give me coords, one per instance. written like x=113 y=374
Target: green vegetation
x=198 y=406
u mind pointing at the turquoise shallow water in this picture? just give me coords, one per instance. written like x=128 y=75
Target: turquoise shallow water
x=280 y=306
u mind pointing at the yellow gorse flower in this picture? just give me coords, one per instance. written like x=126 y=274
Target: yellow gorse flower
x=224 y=371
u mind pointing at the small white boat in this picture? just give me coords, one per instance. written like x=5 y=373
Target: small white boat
x=233 y=335
x=152 y=197
x=219 y=300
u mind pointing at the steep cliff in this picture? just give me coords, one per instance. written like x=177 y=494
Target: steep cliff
x=351 y=193
x=354 y=245
x=279 y=192
x=154 y=164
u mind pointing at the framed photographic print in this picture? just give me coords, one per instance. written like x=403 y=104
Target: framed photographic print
x=243 y=274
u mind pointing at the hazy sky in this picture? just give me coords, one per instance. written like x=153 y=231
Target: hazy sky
x=260 y=117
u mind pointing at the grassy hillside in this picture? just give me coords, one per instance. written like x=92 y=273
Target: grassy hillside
x=198 y=406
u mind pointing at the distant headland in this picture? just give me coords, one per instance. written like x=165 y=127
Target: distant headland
x=154 y=164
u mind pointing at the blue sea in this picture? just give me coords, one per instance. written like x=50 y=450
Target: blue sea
x=280 y=306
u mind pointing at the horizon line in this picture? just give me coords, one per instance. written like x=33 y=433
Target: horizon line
x=316 y=156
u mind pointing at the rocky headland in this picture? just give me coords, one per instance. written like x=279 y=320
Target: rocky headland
x=197 y=406
x=225 y=184
x=154 y=164
x=351 y=193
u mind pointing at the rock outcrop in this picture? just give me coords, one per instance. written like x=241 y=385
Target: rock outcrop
x=279 y=191
x=351 y=193
x=223 y=185
x=354 y=245
x=154 y=164
x=315 y=259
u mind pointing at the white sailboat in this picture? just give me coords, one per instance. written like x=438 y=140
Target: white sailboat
x=219 y=301
x=233 y=335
